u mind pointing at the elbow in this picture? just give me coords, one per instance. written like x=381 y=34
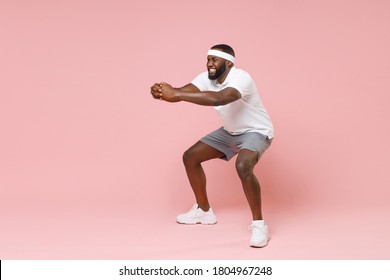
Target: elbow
x=217 y=103
x=220 y=102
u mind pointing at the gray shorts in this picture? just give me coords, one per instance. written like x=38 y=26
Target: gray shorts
x=230 y=145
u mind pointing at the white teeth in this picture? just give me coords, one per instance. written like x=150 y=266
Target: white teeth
x=212 y=71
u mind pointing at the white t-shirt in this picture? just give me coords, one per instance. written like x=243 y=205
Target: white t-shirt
x=246 y=114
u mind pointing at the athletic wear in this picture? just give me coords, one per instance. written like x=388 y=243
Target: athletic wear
x=230 y=145
x=260 y=235
x=244 y=115
x=197 y=216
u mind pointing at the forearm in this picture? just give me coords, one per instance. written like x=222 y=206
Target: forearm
x=205 y=98
x=190 y=93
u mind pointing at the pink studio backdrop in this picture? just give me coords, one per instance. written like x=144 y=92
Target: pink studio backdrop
x=90 y=164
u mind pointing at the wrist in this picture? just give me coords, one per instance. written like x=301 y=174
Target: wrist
x=177 y=94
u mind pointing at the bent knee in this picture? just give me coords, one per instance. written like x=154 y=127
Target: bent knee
x=244 y=169
x=188 y=157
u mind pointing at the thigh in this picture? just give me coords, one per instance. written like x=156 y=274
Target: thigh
x=222 y=141
x=202 y=152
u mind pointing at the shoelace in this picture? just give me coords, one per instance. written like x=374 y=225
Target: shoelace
x=193 y=209
x=256 y=227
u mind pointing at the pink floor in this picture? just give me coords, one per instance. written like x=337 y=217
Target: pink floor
x=71 y=226
x=313 y=235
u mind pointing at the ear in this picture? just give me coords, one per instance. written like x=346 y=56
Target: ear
x=229 y=63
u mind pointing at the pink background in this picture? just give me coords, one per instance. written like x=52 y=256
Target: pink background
x=90 y=164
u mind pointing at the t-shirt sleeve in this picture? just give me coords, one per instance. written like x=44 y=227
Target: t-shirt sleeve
x=201 y=81
x=243 y=83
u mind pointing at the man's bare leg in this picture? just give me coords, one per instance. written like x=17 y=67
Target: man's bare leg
x=192 y=159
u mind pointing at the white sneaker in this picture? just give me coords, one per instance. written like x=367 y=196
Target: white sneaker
x=197 y=216
x=260 y=235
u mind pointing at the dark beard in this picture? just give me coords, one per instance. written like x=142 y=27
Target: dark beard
x=218 y=72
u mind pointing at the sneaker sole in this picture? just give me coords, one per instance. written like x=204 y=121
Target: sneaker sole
x=259 y=246
x=195 y=222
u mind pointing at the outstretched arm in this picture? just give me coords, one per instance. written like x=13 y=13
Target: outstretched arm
x=190 y=93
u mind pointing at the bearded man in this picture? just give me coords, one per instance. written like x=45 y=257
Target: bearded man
x=247 y=132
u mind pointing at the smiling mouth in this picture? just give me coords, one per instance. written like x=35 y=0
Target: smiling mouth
x=212 y=71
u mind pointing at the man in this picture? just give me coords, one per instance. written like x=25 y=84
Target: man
x=247 y=131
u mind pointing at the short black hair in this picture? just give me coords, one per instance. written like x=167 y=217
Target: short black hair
x=225 y=48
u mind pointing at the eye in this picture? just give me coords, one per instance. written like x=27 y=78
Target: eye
x=213 y=59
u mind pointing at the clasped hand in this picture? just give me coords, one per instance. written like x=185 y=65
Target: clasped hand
x=163 y=91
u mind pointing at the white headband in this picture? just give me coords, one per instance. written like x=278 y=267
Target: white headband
x=222 y=55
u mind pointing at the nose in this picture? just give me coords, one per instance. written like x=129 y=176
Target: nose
x=209 y=63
